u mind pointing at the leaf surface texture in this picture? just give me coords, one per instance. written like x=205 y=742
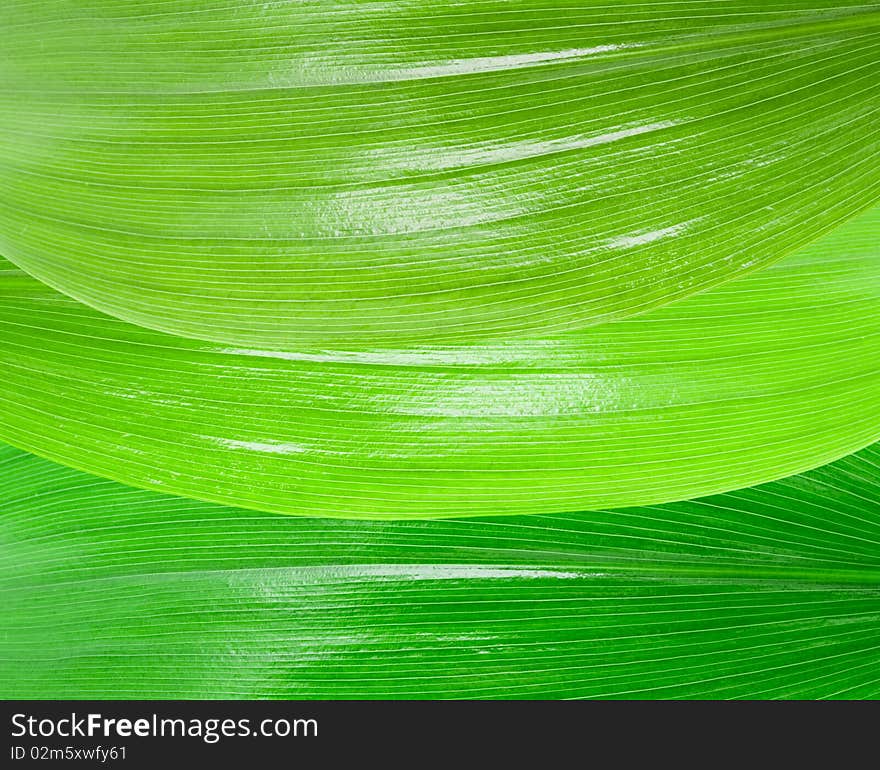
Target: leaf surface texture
x=350 y=174
x=110 y=591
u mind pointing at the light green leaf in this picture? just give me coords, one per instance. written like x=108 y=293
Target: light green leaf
x=763 y=377
x=113 y=592
x=347 y=174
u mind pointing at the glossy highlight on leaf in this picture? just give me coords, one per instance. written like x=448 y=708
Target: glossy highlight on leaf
x=349 y=174
x=553 y=325
x=110 y=591
x=769 y=375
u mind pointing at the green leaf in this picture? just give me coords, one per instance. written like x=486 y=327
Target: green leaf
x=113 y=592
x=351 y=174
x=761 y=378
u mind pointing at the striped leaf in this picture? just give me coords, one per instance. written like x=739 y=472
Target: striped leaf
x=350 y=174
x=764 y=377
x=109 y=591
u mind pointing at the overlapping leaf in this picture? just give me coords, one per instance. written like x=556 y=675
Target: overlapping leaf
x=345 y=174
x=109 y=591
x=374 y=260
x=769 y=375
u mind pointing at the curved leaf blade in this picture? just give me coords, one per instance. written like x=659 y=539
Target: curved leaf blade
x=761 y=378
x=349 y=175
x=109 y=591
